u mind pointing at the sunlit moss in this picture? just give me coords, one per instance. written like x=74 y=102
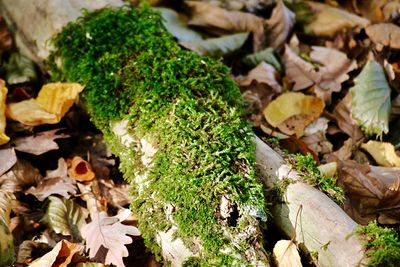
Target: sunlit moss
x=186 y=105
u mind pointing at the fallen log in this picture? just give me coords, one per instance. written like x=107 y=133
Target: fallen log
x=226 y=209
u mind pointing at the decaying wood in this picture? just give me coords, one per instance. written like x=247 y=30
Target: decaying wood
x=322 y=226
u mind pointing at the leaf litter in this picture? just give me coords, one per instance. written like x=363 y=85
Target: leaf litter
x=339 y=61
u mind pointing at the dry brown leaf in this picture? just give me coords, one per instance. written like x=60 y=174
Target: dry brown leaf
x=333 y=73
x=55 y=182
x=327 y=79
x=263 y=73
x=60 y=256
x=383 y=153
x=286 y=254
x=21 y=175
x=7 y=159
x=53 y=186
x=292 y=112
x=80 y=170
x=330 y=20
x=208 y=15
x=3 y=96
x=299 y=71
x=386 y=34
x=345 y=121
x=318 y=143
x=39 y=143
x=5 y=36
x=110 y=233
x=116 y=194
x=53 y=101
x=280 y=25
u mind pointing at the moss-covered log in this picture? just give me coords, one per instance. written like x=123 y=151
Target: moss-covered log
x=174 y=118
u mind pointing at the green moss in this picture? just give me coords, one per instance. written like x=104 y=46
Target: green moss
x=184 y=104
x=382 y=244
x=306 y=165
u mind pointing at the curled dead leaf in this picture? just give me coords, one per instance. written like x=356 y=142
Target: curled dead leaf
x=280 y=24
x=3 y=95
x=330 y=20
x=208 y=15
x=80 y=170
x=53 y=101
x=292 y=112
x=61 y=255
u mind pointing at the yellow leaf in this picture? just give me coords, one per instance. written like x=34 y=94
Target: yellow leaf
x=53 y=101
x=292 y=112
x=3 y=95
x=80 y=170
x=57 y=98
x=383 y=153
x=29 y=112
x=286 y=254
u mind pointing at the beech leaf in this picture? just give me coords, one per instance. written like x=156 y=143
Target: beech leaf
x=208 y=15
x=383 y=153
x=286 y=254
x=387 y=34
x=3 y=96
x=110 y=233
x=292 y=112
x=39 y=143
x=216 y=47
x=329 y=20
x=176 y=26
x=280 y=24
x=61 y=255
x=371 y=99
x=53 y=101
x=65 y=217
x=266 y=55
x=19 y=69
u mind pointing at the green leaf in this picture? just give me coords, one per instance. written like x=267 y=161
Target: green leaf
x=216 y=47
x=371 y=99
x=6 y=238
x=19 y=69
x=65 y=217
x=176 y=26
x=266 y=55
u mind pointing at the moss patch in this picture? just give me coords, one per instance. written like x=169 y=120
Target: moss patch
x=382 y=244
x=184 y=104
x=306 y=165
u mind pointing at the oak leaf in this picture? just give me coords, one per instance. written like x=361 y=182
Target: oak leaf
x=110 y=233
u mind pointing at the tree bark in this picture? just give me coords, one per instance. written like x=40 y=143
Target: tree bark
x=321 y=227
